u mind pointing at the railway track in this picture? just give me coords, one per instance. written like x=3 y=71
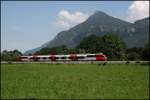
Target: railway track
x=78 y=62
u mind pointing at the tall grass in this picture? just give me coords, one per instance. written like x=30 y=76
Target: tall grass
x=87 y=81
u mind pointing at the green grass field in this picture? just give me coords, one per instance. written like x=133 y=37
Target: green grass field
x=87 y=81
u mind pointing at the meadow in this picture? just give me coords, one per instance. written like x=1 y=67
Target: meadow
x=74 y=81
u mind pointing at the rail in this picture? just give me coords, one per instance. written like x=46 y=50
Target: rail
x=78 y=62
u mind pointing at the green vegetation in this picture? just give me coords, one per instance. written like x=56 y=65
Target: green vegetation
x=110 y=44
x=46 y=51
x=39 y=81
x=10 y=55
x=146 y=52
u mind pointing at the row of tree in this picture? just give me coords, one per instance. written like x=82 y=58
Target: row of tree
x=10 y=55
x=110 y=44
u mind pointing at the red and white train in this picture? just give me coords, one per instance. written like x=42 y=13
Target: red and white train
x=70 y=57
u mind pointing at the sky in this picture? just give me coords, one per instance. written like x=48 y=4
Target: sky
x=29 y=24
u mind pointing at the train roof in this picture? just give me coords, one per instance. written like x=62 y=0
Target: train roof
x=61 y=55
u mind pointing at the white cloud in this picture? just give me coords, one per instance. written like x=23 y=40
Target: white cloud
x=138 y=10
x=66 y=19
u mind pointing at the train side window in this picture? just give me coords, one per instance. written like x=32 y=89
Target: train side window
x=63 y=57
x=80 y=57
x=44 y=57
x=23 y=57
x=31 y=58
x=56 y=57
x=90 y=55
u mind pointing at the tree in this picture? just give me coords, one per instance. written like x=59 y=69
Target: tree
x=82 y=51
x=72 y=51
x=146 y=52
x=134 y=53
x=89 y=44
x=54 y=50
x=110 y=44
x=133 y=56
x=16 y=54
x=10 y=55
x=43 y=51
x=113 y=46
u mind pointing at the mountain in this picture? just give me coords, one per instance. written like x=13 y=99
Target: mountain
x=134 y=34
x=141 y=34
